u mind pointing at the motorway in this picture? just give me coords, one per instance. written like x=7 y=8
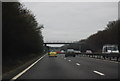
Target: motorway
x=78 y=67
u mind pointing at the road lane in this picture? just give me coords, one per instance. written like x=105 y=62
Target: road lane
x=107 y=67
x=78 y=68
x=21 y=73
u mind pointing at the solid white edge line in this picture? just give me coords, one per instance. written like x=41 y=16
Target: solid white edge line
x=77 y=64
x=21 y=73
x=99 y=73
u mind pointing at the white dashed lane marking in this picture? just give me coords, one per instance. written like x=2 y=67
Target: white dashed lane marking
x=64 y=58
x=78 y=64
x=69 y=60
x=99 y=73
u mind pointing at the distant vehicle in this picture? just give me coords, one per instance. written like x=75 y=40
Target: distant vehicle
x=58 y=52
x=62 y=51
x=70 y=52
x=88 y=51
x=110 y=49
x=77 y=52
x=52 y=54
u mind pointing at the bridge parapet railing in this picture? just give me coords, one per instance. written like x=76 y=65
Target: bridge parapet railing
x=59 y=42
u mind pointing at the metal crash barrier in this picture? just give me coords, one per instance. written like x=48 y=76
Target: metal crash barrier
x=110 y=56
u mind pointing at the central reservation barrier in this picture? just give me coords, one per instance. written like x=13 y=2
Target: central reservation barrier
x=110 y=56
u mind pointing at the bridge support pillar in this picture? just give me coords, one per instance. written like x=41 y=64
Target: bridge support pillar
x=45 y=45
x=45 y=48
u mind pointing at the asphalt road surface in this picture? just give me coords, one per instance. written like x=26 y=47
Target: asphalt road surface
x=78 y=67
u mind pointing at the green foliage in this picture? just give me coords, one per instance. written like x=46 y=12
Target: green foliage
x=108 y=36
x=95 y=42
x=21 y=34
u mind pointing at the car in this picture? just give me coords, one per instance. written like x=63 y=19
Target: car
x=52 y=54
x=62 y=51
x=58 y=52
x=77 y=52
x=110 y=49
x=88 y=51
x=70 y=52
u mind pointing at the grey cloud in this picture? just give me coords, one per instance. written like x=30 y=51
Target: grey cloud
x=72 y=21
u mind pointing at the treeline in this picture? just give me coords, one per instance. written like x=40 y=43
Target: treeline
x=21 y=34
x=108 y=36
x=95 y=42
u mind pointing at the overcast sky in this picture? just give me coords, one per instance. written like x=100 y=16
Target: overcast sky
x=72 y=21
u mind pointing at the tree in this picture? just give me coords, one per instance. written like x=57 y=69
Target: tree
x=21 y=34
x=95 y=42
